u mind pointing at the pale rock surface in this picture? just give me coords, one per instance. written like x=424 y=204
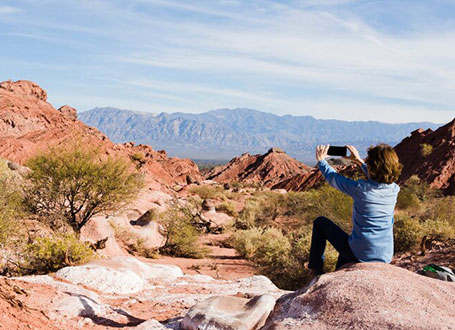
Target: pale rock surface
x=98 y=228
x=87 y=302
x=150 y=325
x=105 y=279
x=367 y=296
x=229 y=313
x=119 y=275
x=217 y=218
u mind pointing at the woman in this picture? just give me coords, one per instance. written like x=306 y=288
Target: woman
x=372 y=214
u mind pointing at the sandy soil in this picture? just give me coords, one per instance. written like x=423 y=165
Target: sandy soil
x=221 y=263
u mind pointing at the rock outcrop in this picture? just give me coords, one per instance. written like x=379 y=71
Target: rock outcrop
x=367 y=296
x=29 y=124
x=229 y=313
x=360 y=296
x=118 y=293
x=431 y=156
x=268 y=169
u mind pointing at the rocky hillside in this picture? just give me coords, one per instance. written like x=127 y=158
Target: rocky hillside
x=431 y=156
x=268 y=169
x=224 y=133
x=29 y=124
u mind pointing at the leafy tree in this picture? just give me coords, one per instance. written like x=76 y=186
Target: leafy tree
x=181 y=236
x=77 y=183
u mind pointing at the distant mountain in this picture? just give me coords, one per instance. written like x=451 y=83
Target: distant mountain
x=225 y=133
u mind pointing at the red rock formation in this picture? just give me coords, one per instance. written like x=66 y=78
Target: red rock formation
x=314 y=178
x=29 y=124
x=270 y=168
x=436 y=168
x=302 y=182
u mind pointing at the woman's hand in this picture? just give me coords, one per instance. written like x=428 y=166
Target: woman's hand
x=321 y=152
x=354 y=156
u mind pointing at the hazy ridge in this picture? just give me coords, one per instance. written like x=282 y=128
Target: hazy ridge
x=225 y=133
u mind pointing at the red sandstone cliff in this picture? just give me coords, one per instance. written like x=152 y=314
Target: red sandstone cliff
x=29 y=124
x=437 y=167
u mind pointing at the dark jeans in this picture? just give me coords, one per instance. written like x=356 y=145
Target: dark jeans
x=325 y=230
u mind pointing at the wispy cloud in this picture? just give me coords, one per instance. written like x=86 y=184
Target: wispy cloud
x=303 y=57
x=8 y=10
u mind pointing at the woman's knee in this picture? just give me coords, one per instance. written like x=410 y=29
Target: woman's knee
x=319 y=221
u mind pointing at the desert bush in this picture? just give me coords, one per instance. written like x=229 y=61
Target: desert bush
x=265 y=207
x=77 y=183
x=208 y=192
x=227 y=208
x=426 y=149
x=437 y=222
x=134 y=244
x=181 y=236
x=441 y=209
x=260 y=210
x=408 y=233
x=10 y=203
x=408 y=199
x=49 y=254
x=246 y=242
x=282 y=258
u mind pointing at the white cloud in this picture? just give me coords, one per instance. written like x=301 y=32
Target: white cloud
x=8 y=10
x=274 y=55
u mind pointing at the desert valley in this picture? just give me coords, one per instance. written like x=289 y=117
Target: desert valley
x=175 y=247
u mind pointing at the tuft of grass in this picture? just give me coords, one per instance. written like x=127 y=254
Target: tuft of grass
x=227 y=208
x=208 y=192
x=426 y=149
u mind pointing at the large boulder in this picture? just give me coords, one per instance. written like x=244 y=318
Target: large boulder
x=229 y=313
x=367 y=296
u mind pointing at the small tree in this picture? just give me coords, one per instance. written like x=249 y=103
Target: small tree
x=181 y=236
x=77 y=183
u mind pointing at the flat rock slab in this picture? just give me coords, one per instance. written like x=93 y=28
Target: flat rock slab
x=229 y=313
x=119 y=275
x=367 y=296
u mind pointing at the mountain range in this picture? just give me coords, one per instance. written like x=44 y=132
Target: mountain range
x=225 y=133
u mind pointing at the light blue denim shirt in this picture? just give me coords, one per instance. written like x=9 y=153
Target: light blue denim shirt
x=372 y=214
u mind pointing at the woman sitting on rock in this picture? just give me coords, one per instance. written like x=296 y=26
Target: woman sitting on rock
x=371 y=238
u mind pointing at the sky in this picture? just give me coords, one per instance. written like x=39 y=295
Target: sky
x=388 y=60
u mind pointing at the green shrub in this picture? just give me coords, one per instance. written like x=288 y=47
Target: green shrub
x=442 y=209
x=181 y=237
x=227 y=208
x=77 y=183
x=246 y=242
x=133 y=243
x=49 y=254
x=426 y=149
x=408 y=233
x=10 y=203
x=265 y=207
x=208 y=192
x=408 y=199
x=282 y=258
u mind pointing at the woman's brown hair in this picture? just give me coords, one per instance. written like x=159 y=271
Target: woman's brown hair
x=383 y=164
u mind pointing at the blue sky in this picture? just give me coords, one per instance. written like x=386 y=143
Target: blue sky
x=389 y=60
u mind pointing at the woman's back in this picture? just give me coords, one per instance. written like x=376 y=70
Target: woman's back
x=372 y=219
